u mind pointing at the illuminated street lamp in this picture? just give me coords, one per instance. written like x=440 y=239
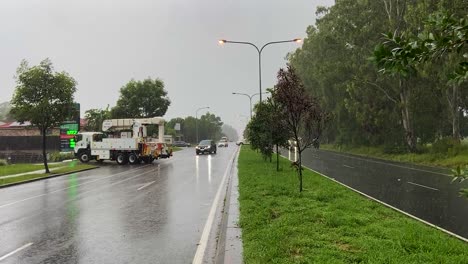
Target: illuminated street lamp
x=259 y=50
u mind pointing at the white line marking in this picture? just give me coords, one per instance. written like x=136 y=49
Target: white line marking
x=348 y=166
x=385 y=163
x=40 y=195
x=424 y=186
x=15 y=251
x=392 y=207
x=198 y=258
x=146 y=185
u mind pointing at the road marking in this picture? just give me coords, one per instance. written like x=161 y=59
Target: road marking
x=385 y=163
x=15 y=251
x=63 y=189
x=348 y=166
x=198 y=258
x=389 y=206
x=424 y=186
x=146 y=185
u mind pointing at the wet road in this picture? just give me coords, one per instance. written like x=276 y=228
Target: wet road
x=422 y=191
x=115 y=214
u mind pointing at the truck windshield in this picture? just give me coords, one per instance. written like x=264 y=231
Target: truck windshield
x=78 y=137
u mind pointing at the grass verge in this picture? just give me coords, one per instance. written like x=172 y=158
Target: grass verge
x=21 y=168
x=328 y=223
x=430 y=159
x=72 y=166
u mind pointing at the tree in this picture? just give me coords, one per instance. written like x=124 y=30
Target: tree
x=229 y=132
x=209 y=127
x=444 y=36
x=267 y=129
x=42 y=97
x=95 y=117
x=304 y=118
x=259 y=131
x=140 y=99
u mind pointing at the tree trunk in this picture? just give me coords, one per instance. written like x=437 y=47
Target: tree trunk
x=44 y=150
x=300 y=171
x=277 y=158
x=407 y=118
x=455 y=113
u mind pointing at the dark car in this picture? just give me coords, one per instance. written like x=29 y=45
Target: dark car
x=206 y=146
x=180 y=144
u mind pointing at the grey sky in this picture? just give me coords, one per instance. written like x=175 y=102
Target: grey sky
x=105 y=43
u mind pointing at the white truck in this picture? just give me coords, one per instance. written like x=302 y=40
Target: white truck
x=124 y=140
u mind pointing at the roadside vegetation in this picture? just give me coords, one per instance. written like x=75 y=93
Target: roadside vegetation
x=327 y=223
x=449 y=155
x=393 y=75
x=67 y=167
x=11 y=169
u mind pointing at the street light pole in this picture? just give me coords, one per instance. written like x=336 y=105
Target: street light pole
x=259 y=50
x=250 y=98
x=196 y=119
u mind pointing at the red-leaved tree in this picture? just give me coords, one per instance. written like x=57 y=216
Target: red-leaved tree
x=303 y=115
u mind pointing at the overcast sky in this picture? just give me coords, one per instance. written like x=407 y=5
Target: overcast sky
x=105 y=43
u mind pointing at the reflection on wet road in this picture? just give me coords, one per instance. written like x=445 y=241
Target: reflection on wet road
x=115 y=214
x=422 y=191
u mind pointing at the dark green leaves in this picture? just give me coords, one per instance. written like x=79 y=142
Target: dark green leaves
x=42 y=96
x=146 y=98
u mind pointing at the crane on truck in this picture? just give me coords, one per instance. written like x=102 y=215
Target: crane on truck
x=122 y=140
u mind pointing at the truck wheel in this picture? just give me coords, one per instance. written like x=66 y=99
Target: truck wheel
x=133 y=159
x=84 y=157
x=121 y=159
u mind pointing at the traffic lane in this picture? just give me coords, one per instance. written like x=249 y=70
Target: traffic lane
x=160 y=223
x=425 y=194
x=25 y=199
x=19 y=221
x=26 y=190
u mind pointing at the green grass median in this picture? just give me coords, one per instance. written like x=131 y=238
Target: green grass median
x=328 y=223
x=70 y=167
x=22 y=168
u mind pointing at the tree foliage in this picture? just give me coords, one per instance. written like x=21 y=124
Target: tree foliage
x=95 y=117
x=267 y=129
x=209 y=127
x=303 y=116
x=413 y=102
x=140 y=99
x=43 y=97
x=229 y=132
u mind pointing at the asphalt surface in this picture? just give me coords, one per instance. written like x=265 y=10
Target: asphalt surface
x=115 y=214
x=422 y=191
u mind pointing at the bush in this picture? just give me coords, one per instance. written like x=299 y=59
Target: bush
x=3 y=162
x=394 y=149
x=60 y=156
x=448 y=146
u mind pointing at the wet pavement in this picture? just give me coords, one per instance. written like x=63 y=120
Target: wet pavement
x=115 y=214
x=422 y=191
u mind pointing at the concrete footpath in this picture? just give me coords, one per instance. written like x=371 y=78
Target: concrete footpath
x=229 y=242
x=233 y=243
